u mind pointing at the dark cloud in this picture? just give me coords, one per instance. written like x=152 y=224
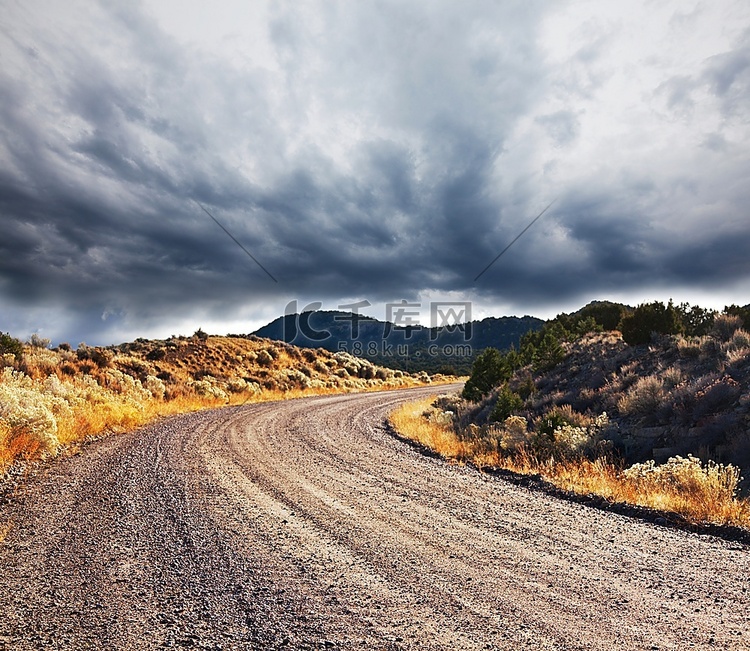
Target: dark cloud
x=371 y=150
x=713 y=260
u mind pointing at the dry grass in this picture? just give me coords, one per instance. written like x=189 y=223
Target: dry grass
x=700 y=493
x=51 y=400
x=410 y=421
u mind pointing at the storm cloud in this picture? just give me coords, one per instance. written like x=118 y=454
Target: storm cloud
x=373 y=150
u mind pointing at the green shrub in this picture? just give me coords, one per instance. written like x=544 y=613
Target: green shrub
x=649 y=318
x=696 y=321
x=487 y=372
x=549 y=353
x=563 y=432
x=527 y=351
x=551 y=421
x=584 y=326
x=508 y=401
x=526 y=388
x=10 y=346
x=607 y=315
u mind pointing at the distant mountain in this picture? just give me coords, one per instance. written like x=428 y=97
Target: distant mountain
x=448 y=349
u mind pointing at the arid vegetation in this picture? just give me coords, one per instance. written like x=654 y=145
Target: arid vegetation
x=659 y=419
x=700 y=492
x=50 y=399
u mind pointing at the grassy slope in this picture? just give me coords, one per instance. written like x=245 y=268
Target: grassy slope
x=684 y=401
x=51 y=399
x=676 y=396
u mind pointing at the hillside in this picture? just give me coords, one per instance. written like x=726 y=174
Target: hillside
x=676 y=396
x=449 y=349
x=662 y=424
x=51 y=398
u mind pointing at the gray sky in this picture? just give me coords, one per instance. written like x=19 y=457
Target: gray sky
x=378 y=150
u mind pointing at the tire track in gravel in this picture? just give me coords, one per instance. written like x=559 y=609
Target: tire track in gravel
x=304 y=524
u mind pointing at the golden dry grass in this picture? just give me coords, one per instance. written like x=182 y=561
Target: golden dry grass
x=54 y=399
x=699 y=493
x=410 y=422
x=15 y=445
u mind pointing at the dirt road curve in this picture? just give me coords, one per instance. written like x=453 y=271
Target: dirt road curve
x=304 y=525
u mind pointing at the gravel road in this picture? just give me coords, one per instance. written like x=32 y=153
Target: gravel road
x=305 y=525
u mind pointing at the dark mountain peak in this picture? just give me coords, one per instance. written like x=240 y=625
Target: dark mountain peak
x=407 y=347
